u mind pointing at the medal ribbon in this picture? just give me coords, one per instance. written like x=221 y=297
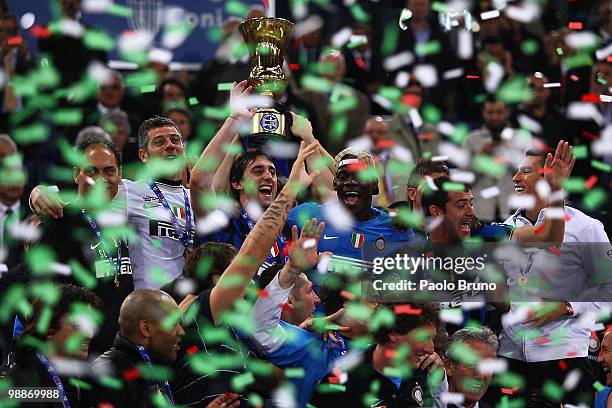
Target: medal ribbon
x=145 y=357
x=115 y=265
x=55 y=377
x=184 y=235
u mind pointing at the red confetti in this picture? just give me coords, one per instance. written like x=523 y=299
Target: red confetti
x=389 y=353
x=574 y=78
x=360 y=62
x=191 y=350
x=539 y=229
x=286 y=307
x=571 y=354
x=406 y=309
x=426 y=136
x=264 y=293
x=333 y=380
x=265 y=4
x=411 y=100
x=337 y=372
x=567 y=218
x=589 y=135
x=542 y=340
x=609 y=58
x=591 y=181
x=590 y=97
x=507 y=391
x=563 y=365
x=472 y=76
x=131 y=374
x=555 y=250
x=385 y=144
x=17 y=40
x=40 y=31
x=355 y=167
x=347 y=295
x=575 y=25
x=294 y=67
x=105 y=405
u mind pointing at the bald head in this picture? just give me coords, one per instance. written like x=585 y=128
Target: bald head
x=144 y=304
x=7 y=146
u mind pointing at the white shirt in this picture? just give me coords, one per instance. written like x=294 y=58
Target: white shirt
x=583 y=257
x=3 y=208
x=156 y=252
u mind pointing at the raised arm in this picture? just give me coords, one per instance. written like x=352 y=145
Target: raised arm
x=556 y=170
x=256 y=247
x=221 y=182
x=321 y=160
x=205 y=167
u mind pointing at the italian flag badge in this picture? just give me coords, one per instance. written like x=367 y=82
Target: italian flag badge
x=357 y=239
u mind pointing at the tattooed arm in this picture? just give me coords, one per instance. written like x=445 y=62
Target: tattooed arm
x=256 y=247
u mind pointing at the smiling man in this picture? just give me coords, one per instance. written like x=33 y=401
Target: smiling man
x=354 y=188
x=603 y=398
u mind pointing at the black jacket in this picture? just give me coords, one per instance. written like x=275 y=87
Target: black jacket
x=122 y=362
x=361 y=386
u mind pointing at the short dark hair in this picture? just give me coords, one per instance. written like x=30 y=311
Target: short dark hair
x=239 y=166
x=69 y=294
x=405 y=322
x=440 y=196
x=100 y=139
x=537 y=153
x=426 y=167
x=150 y=124
x=173 y=81
x=220 y=255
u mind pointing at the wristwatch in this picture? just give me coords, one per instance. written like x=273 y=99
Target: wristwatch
x=569 y=310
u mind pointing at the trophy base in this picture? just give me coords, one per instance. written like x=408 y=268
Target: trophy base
x=270 y=122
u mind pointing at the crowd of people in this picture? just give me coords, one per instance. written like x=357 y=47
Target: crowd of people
x=152 y=256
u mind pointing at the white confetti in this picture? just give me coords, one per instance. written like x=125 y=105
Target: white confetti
x=487 y=15
x=99 y=73
x=522 y=201
x=453 y=73
x=543 y=189
x=525 y=13
x=160 y=55
x=460 y=176
x=557 y=196
x=401 y=79
x=530 y=124
x=605 y=98
x=340 y=38
x=552 y=85
x=361 y=143
x=415 y=117
x=492 y=366
x=404 y=17
x=454 y=316
x=455 y=154
x=23 y=231
x=382 y=101
x=71 y=28
x=465 y=44
x=174 y=37
x=446 y=128
x=338 y=216
x=357 y=40
x=69 y=367
x=214 y=221
x=311 y=24
x=86 y=324
x=283 y=397
x=554 y=213
x=571 y=380
x=426 y=74
x=601 y=147
x=27 y=20
x=309 y=243
x=398 y=60
x=60 y=269
x=495 y=74
x=96 y=6
x=452 y=398
x=299 y=10
x=602 y=53
x=350 y=360
x=254 y=210
x=581 y=39
x=111 y=218
x=490 y=192
x=247 y=102
x=515 y=316
x=433 y=224
x=402 y=154
x=584 y=111
x=323 y=265
x=185 y=287
x=282 y=150
x=134 y=41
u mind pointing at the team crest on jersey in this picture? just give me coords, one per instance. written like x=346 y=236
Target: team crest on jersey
x=274 y=251
x=357 y=240
x=380 y=243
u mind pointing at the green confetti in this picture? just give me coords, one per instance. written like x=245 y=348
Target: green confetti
x=296 y=372
x=382 y=318
x=140 y=79
x=530 y=47
x=82 y=275
x=47 y=292
x=80 y=384
x=193 y=101
x=155 y=372
x=459 y=134
x=338 y=128
x=390 y=39
x=514 y=90
x=225 y=86
x=260 y=367
x=35 y=133
x=215 y=34
x=391 y=93
x=552 y=390
x=581 y=59
x=213 y=113
x=594 y=198
x=231 y=281
x=598 y=386
x=344 y=105
x=74 y=343
x=464 y=354
x=358 y=42
x=236 y=8
x=315 y=84
x=68 y=116
x=359 y=13
x=574 y=185
x=39 y=258
x=450 y=186
x=120 y=11
x=148 y=88
x=487 y=165
x=559 y=51
x=580 y=152
x=428 y=48
x=171 y=320
x=110 y=382
x=98 y=40
x=159 y=276
x=431 y=114
x=440 y=7
x=509 y=380
x=596 y=164
x=241 y=381
x=42 y=325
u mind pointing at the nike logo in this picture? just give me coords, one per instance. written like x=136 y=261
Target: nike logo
x=325 y=237
x=95 y=246
x=150 y=205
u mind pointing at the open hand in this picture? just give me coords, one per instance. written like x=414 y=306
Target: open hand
x=299 y=178
x=45 y=201
x=558 y=168
x=241 y=90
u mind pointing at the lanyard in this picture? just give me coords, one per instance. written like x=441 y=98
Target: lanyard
x=184 y=235
x=115 y=265
x=55 y=377
x=145 y=357
x=279 y=246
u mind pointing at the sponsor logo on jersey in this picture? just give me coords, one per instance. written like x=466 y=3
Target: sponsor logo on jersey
x=150 y=205
x=357 y=240
x=164 y=229
x=179 y=212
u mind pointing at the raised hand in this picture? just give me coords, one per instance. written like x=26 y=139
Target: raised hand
x=303 y=252
x=558 y=168
x=238 y=91
x=299 y=178
x=325 y=325
x=302 y=128
x=46 y=201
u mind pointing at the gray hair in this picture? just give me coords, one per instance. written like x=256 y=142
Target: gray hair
x=481 y=334
x=92 y=132
x=117 y=118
